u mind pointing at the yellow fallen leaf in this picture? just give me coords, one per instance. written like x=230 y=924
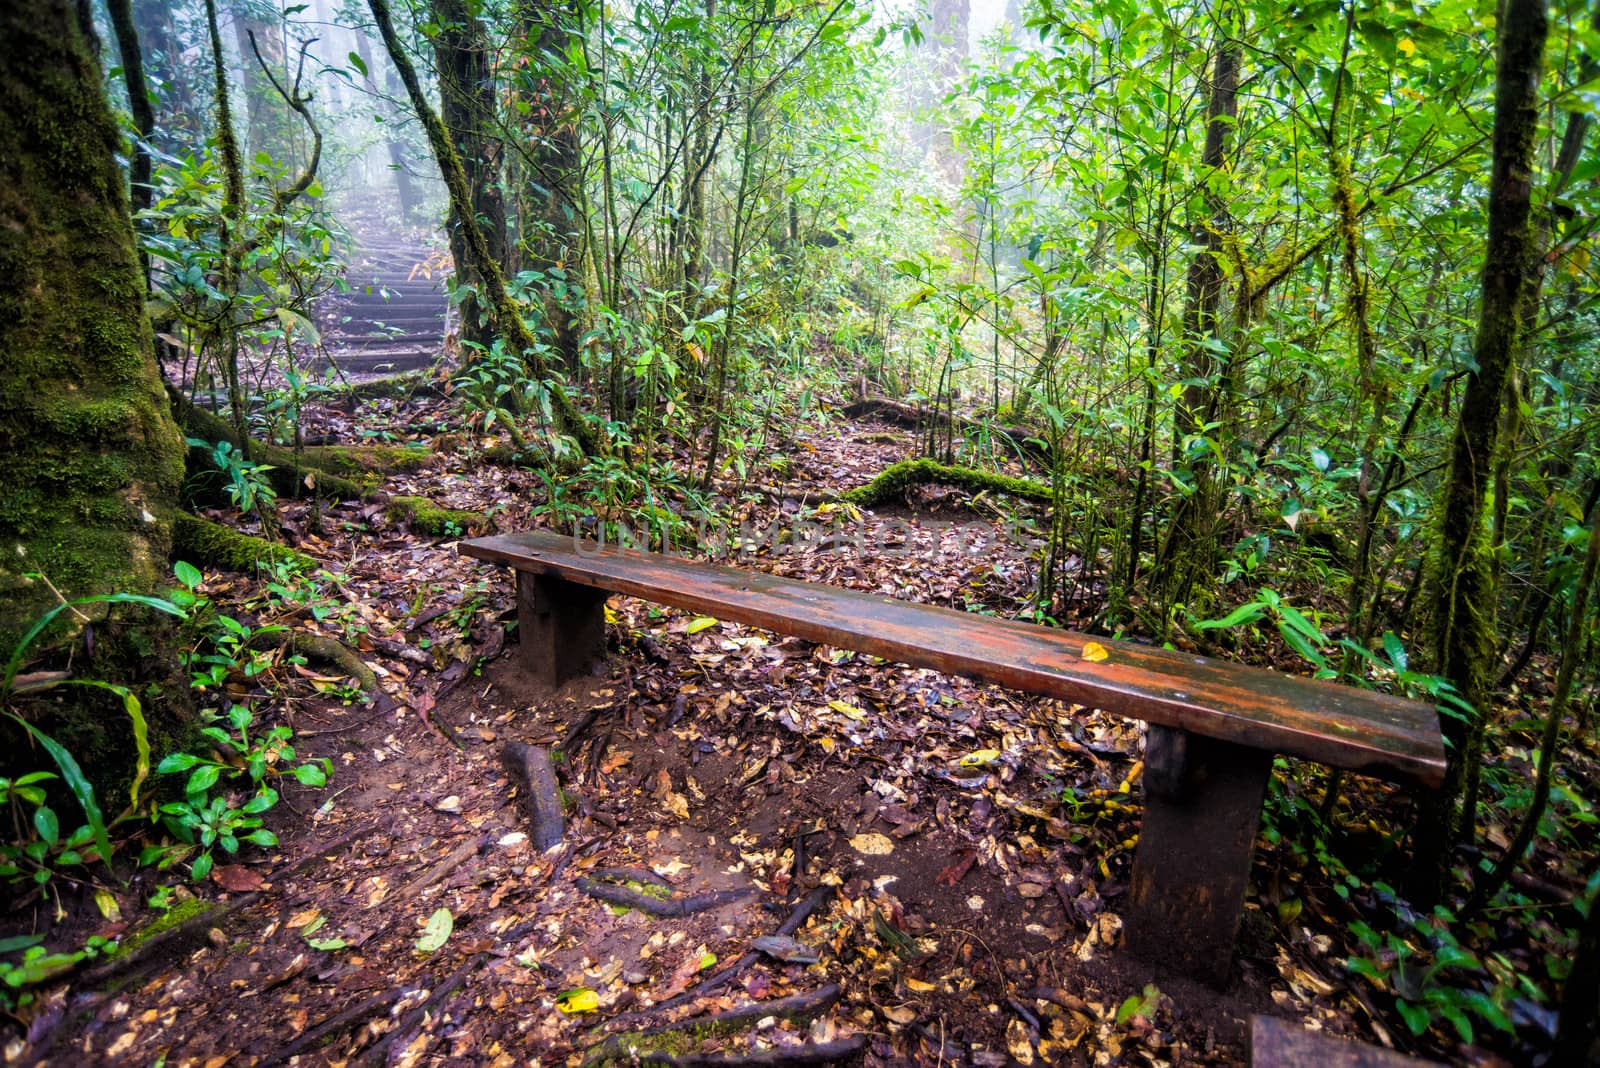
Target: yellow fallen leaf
x=700 y=623
x=1094 y=652
x=980 y=758
x=872 y=844
x=845 y=708
x=107 y=905
x=575 y=1001
x=612 y=616
x=300 y=919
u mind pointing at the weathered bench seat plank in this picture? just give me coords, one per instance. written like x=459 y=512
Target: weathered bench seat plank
x=1340 y=726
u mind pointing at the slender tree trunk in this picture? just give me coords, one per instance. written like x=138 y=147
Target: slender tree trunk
x=552 y=237
x=394 y=145
x=1461 y=590
x=1579 y=1030
x=232 y=214
x=505 y=316
x=267 y=122
x=144 y=116
x=467 y=108
x=1550 y=742
x=1189 y=545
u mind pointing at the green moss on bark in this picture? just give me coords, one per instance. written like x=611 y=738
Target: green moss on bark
x=423 y=515
x=347 y=472
x=894 y=480
x=89 y=456
x=204 y=543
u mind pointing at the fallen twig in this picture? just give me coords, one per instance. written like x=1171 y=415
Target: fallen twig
x=535 y=778
x=797 y=1009
x=657 y=906
x=785 y=1056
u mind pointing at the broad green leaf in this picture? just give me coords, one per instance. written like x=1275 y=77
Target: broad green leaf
x=187 y=574
x=76 y=781
x=141 y=744
x=437 y=931
x=1245 y=613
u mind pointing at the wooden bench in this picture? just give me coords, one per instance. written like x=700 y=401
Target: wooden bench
x=1214 y=727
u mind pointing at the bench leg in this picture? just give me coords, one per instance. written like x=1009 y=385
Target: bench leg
x=562 y=626
x=1202 y=807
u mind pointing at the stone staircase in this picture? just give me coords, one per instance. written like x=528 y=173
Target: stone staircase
x=395 y=316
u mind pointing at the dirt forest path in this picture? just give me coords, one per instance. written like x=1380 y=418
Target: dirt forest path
x=962 y=850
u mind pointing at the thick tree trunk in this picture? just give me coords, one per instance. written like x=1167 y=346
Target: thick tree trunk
x=467 y=106
x=89 y=455
x=1461 y=586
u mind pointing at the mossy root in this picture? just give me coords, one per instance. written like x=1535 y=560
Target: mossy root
x=325 y=649
x=422 y=515
x=204 y=543
x=894 y=480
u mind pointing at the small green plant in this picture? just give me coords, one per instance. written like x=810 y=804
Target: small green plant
x=38 y=965
x=38 y=849
x=34 y=850
x=203 y=820
x=244 y=480
x=217 y=647
x=1434 y=978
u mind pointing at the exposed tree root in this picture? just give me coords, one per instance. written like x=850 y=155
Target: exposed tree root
x=347 y=472
x=326 y=649
x=288 y=479
x=777 y=1057
x=797 y=919
x=425 y=517
x=517 y=454
x=916 y=417
x=204 y=543
x=535 y=778
x=402 y=386
x=671 y=907
x=893 y=481
x=676 y=1039
x=334 y=1024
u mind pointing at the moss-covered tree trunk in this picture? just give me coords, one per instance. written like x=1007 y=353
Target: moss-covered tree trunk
x=1460 y=583
x=90 y=459
x=555 y=164
x=1189 y=551
x=467 y=106
x=505 y=315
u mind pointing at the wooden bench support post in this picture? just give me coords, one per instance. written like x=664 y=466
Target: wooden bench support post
x=562 y=626
x=1202 y=807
